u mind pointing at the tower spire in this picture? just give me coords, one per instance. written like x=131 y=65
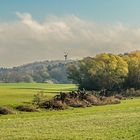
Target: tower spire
x=65 y=56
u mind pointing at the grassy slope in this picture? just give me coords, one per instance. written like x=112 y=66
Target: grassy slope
x=111 y=122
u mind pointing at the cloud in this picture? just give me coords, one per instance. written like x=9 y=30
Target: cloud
x=27 y=20
x=28 y=40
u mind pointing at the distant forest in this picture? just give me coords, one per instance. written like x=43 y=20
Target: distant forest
x=40 y=72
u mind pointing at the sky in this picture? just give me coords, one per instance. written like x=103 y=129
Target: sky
x=37 y=30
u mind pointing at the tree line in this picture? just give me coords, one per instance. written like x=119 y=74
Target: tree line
x=40 y=72
x=107 y=72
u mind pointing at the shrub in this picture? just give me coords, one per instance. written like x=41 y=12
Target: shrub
x=131 y=93
x=77 y=99
x=73 y=102
x=39 y=98
x=119 y=96
x=5 y=111
x=54 y=104
x=93 y=99
x=27 y=108
x=110 y=100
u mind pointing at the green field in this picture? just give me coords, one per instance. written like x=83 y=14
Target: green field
x=15 y=94
x=110 y=122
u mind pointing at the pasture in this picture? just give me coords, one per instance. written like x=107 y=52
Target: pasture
x=110 y=122
x=14 y=94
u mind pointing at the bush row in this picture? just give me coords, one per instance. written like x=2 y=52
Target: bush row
x=74 y=99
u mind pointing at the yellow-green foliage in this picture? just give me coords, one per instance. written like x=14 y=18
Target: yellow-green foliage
x=107 y=71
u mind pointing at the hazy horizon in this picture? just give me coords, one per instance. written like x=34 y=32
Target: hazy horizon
x=43 y=30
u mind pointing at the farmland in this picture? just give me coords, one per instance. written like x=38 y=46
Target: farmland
x=110 y=122
x=15 y=94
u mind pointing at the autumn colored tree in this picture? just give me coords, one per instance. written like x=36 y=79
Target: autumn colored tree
x=133 y=78
x=105 y=71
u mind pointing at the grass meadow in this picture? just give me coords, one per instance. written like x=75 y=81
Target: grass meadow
x=110 y=122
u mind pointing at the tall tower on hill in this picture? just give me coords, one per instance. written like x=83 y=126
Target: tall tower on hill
x=66 y=56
